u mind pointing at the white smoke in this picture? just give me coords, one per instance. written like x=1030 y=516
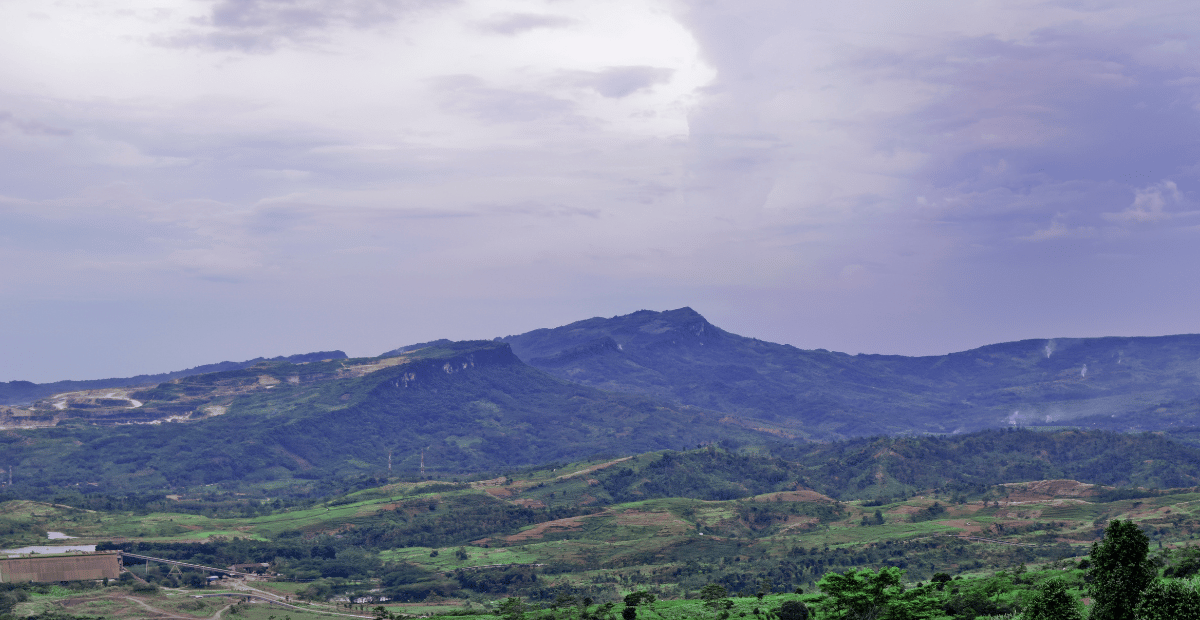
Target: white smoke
x=1049 y=348
x=1083 y=371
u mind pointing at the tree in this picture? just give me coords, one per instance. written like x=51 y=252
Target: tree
x=1171 y=599
x=765 y=585
x=1053 y=602
x=1120 y=571
x=865 y=595
x=1187 y=565
x=714 y=596
x=632 y=600
x=564 y=600
x=513 y=608
x=792 y=610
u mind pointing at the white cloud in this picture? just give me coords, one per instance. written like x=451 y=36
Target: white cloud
x=1058 y=230
x=517 y=23
x=1149 y=204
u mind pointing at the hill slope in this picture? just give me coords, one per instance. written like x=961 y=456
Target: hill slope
x=1100 y=382
x=463 y=407
x=21 y=392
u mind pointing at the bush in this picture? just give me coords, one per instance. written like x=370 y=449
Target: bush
x=1169 y=600
x=1053 y=602
x=144 y=588
x=792 y=610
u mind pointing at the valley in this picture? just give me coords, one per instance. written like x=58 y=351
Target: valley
x=652 y=452
x=540 y=534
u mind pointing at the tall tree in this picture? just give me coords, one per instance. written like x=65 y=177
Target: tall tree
x=714 y=598
x=1120 y=571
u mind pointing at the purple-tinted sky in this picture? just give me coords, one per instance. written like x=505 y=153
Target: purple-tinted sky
x=188 y=181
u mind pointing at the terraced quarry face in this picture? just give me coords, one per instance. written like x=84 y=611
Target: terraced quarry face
x=187 y=399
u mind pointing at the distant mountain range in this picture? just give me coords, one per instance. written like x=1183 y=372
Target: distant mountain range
x=605 y=387
x=680 y=359
x=1106 y=383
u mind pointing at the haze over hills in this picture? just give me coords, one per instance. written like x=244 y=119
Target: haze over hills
x=1146 y=383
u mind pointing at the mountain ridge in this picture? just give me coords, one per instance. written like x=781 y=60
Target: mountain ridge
x=467 y=406
x=679 y=357
x=820 y=394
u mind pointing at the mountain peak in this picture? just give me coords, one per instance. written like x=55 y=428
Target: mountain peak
x=680 y=314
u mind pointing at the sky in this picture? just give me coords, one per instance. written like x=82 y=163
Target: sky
x=190 y=181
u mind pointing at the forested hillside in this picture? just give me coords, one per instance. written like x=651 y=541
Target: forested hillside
x=463 y=408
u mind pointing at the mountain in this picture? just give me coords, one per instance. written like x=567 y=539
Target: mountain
x=1148 y=383
x=452 y=409
x=23 y=392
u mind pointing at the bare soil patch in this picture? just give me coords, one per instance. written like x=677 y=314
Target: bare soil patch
x=797 y=523
x=964 y=525
x=541 y=529
x=1042 y=490
x=799 y=495
x=588 y=470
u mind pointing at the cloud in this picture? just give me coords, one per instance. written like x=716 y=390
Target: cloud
x=469 y=95
x=258 y=26
x=219 y=263
x=31 y=127
x=801 y=172
x=516 y=23
x=1058 y=230
x=1149 y=204
x=619 y=82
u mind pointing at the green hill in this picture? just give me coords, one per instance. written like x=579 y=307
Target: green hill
x=459 y=408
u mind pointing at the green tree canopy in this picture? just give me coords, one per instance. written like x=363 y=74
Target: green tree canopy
x=1120 y=571
x=1170 y=599
x=714 y=598
x=866 y=595
x=792 y=610
x=1053 y=602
